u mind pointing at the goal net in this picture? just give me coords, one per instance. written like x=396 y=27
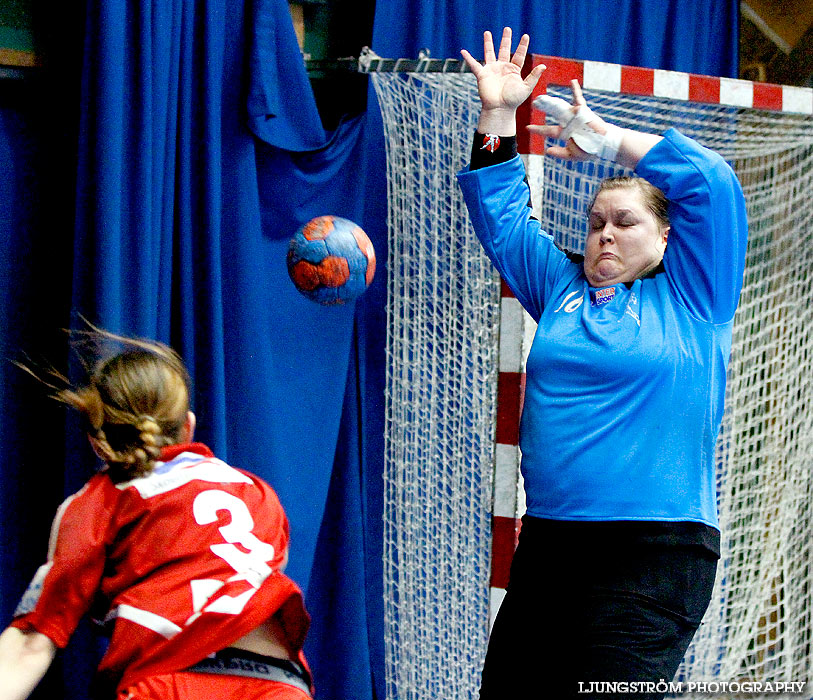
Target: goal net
x=443 y=356
x=442 y=322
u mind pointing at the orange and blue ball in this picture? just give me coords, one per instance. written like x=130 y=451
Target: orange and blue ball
x=331 y=260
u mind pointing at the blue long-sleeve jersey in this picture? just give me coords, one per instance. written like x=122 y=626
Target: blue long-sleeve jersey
x=624 y=388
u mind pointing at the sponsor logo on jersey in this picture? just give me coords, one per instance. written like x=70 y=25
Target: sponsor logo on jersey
x=605 y=295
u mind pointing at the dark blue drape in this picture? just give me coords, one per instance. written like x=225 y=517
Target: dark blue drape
x=200 y=151
x=696 y=36
x=29 y=255
x=175 y=240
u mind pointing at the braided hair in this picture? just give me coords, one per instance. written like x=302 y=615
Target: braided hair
x=135 y=402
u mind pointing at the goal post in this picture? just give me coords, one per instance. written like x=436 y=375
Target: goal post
x=457 y=343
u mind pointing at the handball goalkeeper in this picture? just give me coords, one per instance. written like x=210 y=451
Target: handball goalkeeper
x=625 y=384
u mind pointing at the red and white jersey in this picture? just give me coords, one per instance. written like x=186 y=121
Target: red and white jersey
x=179 y=564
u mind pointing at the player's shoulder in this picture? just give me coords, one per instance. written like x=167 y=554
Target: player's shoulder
x=184 y=471
x=97 y=491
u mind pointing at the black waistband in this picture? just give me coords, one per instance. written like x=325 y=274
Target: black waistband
x=608 y=533
x=239 y=662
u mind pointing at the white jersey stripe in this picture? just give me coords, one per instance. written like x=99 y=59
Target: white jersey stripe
x=156 y=623
x=58 y=521
x=209 y=470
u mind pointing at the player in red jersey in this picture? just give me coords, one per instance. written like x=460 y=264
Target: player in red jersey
x=177 y=553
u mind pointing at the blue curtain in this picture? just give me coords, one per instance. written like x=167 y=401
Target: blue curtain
x=184 y=217
x=696 y=36
x=165 y=209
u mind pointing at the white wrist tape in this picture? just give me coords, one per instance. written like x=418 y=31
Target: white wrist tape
x=574 y=126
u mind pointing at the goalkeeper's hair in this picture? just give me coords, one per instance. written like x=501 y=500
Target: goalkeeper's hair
x=654 y=199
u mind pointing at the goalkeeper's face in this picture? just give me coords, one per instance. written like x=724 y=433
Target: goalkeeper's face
x=625 y=241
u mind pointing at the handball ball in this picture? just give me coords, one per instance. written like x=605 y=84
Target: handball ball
x=331 y=260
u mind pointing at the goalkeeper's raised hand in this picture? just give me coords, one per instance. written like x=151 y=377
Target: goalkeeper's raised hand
x=586 y=135
x=500 y=83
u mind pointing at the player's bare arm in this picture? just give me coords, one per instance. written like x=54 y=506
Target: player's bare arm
x=24 y=659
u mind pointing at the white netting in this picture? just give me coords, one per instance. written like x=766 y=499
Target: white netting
x=443 y=314
x=443 y=311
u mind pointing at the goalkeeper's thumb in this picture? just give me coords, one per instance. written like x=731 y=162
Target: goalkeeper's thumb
x=575 y=125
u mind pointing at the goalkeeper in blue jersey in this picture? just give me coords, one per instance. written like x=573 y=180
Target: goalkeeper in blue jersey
x=624 y=394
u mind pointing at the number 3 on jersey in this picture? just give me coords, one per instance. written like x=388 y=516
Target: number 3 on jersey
x=251 y=565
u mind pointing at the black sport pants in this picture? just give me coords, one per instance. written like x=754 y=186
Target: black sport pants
x=594 y=602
